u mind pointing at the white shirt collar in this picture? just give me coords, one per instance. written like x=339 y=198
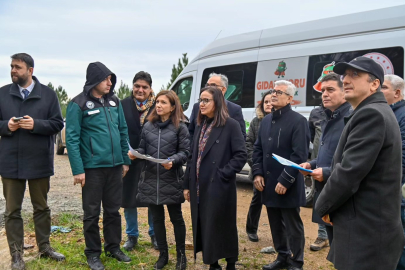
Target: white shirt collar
x=29 y=88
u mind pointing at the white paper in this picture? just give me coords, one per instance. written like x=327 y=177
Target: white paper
x=139 y=155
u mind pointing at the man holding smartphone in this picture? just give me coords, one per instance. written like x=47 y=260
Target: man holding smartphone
x=30 y=116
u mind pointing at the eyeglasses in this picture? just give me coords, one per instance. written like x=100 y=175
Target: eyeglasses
x=278 y=92
x=353 y=75
x=213 y=85
x=204 y=100
x=144 y=87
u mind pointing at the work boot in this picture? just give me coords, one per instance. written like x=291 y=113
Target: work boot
x=49 y=252
x=319 y=244
x=95 y=263
x=17 y=262
x=163 y=259
x=130 y=243
x=118 y=255
x=154 y=242
x=181 y=260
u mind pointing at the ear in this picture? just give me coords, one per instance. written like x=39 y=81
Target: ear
x=31 y=70
x=397 y=93
x=375 y=84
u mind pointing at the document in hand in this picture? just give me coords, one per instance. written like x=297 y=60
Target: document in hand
x=287 y=162
x=139 y=155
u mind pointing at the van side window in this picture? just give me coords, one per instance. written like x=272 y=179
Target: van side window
x=183 y=91
x=391 y=59
x=241 y=78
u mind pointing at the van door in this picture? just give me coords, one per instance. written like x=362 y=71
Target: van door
x=184 y=90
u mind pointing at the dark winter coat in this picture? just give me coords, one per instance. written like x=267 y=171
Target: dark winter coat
x=224 y=156
x=131 y=179
x=96 y=132
x=399 y=111
x=28 y=154
x=363 y=192
x=284 y=132
x=332 y=127
x=252 y=137
x=157 y=185
x=316 y=116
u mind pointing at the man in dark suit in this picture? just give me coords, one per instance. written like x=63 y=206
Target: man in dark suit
x=235 y=111
x=362 y=195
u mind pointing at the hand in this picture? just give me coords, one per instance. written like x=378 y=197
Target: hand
x=131 y=157
x=307 y=166
x=79 y=179
x=125 y=169
x=186 y=194
x=317 y=174
x=280 y=189
x=13 y=126
x=26 y=123
x=168 y=166
x=259 y=182
x=326 y=219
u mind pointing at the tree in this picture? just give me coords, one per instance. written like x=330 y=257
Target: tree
x=183 y=62
x=62 y=97
x=123 y=91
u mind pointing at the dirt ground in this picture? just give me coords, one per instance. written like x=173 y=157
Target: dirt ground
x=64 y=197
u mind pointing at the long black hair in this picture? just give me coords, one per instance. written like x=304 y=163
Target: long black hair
x=220 y=108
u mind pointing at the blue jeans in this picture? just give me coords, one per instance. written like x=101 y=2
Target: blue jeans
x=322 y=232
x=131 y=217
x=401 y=263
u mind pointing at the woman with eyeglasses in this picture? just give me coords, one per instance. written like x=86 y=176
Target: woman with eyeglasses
x=218 y=153
x=255 y=209
x=165 y=136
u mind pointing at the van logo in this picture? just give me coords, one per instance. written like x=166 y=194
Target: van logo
x=90 y=104
x=281 y=68
x=383 y=61
x=325 y=71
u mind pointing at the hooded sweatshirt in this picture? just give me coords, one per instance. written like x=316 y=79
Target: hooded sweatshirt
x=96 y=131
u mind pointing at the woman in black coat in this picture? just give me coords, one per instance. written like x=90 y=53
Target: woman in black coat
x=210 y=184
x=165 y=137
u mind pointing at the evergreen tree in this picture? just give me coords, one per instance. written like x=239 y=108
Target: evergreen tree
x=182 y=63
x=62 y=97
x=123 y=91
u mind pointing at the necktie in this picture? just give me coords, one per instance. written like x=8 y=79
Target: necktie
x=26 y=93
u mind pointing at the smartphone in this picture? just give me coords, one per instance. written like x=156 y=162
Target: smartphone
x=16 y=119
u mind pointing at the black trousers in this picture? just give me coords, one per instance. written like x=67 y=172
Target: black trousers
x=176 y=217
x=103 y=185
x=329 y=231
x=287 y=231
x=13 y=190
x=255 y=209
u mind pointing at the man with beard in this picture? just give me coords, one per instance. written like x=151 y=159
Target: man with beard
x=30 y=116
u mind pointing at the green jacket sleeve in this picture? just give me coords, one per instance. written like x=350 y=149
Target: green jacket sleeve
x=73 y=130
x=123 y=135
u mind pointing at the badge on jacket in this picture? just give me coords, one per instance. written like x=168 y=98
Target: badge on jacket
x=90 y=104
x=112 y=103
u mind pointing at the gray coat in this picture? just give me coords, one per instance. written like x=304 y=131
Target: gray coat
x=362 y=194
x=251 y=137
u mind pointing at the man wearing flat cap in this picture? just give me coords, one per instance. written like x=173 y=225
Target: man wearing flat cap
x=361 y=197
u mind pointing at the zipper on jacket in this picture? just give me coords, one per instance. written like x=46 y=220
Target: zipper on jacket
x=110 y=114
x=278 y=142
x=91 y=148
x=109 y=129
x=157 y=169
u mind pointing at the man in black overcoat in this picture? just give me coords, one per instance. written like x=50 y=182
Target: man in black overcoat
x=284 y=132
x=362 y=195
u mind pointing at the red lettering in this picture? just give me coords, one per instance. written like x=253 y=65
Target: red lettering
x=265 y=85
x=271 y=85
x=259 y=86
x=302 y=83
x=296 y=82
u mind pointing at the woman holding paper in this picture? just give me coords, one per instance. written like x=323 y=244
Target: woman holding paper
x=165 y=136
x=210 y=183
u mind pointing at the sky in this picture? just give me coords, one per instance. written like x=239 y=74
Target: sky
x=128 y=36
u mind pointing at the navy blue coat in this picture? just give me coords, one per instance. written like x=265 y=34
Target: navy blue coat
x=285 y=133
x=332 y=128
x=234 y=111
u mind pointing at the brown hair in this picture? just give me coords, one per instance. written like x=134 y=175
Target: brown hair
x=220 y=108
x=176 y=115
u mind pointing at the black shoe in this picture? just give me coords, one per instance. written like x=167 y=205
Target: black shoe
x=130 y=243
x=253 y=237
x=230 y=266
x=17 y=262
x=118 y=255
x=181 y=260
x=163 y=259
x=291 y=267
x=49 y=252
x=215 y=266
x=95 y=263
x=276 y=265
x=154 y=242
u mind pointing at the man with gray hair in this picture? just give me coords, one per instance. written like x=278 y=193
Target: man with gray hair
x=285 y=133
x=235 y=111
x=393 y=89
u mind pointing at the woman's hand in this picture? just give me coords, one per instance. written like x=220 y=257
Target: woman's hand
x=186 y=193
x=168 y=166
x=132 y=157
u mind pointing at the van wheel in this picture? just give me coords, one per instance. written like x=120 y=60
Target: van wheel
x=309 y=190
x=60 y=149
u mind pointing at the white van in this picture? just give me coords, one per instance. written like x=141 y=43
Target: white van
x=300 y=53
